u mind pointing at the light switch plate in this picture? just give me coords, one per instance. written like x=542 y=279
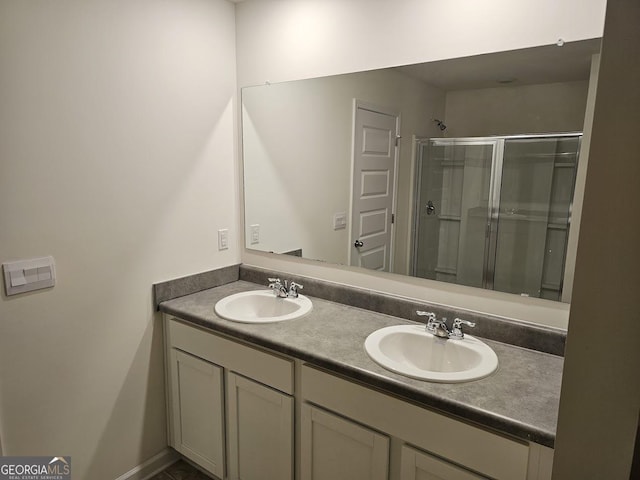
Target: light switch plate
x=26 y=275
x=339 y=220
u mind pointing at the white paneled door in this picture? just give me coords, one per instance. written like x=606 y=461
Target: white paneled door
x=373 y=190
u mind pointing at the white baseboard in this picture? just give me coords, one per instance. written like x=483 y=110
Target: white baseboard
x=152 y=466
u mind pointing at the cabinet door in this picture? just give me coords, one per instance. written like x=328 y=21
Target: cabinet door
x=197 y=411
x=334 y=448
x=417 y=465
x=260 y=431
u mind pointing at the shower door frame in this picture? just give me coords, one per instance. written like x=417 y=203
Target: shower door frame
x=495 y=188
x=491 y=231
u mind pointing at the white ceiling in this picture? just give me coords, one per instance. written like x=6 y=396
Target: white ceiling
x=547 y=64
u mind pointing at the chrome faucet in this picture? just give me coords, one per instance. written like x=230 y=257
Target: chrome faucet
x=439 y=328
x=279 y=288
x=293 y=289
x=456 y=329
x=435 y=327
x=284 y=289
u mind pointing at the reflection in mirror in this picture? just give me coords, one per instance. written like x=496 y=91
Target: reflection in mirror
x=343 y=169
x=494 y=212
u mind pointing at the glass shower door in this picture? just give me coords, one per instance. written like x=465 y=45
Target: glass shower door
x=452 y=211
x=495 y=212
x=534 y=212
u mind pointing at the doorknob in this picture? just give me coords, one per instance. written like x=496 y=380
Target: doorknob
x=358 y=244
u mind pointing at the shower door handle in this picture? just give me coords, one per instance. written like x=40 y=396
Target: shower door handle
x=431 y=209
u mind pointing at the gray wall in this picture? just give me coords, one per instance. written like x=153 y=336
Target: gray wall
x=600 y=397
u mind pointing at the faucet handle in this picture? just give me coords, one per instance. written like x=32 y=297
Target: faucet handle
x=430 y=315
x=293 y=289
x=432 y=320
x=456 y=329
x=275 y=284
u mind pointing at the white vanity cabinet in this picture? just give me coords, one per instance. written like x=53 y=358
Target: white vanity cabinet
x=254 y=433
x=233 y=410
x=430 y=445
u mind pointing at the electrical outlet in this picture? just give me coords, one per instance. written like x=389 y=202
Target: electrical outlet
x=223 y=239
x=255 y=234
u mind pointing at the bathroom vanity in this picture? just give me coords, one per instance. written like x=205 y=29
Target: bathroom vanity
x=301 y=399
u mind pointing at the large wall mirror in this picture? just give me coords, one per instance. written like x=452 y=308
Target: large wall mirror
x=459 y=170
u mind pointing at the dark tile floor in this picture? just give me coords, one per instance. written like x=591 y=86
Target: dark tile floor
x=181 y=470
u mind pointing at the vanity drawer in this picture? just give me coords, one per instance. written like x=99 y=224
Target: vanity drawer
x=264 y=367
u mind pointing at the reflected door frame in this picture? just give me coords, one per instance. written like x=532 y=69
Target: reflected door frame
x=384 y=237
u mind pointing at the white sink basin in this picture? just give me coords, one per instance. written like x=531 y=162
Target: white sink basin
x=411 y=351
x=261 y=306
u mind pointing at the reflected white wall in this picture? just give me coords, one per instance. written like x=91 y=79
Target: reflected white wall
x=514 y=110
x=297 y=141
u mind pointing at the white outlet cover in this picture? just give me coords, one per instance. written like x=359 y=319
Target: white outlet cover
x=255 y=234
x=223 y=239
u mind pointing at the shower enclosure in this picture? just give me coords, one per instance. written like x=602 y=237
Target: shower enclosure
x=495 y=212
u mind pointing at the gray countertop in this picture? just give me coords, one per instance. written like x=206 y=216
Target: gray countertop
x=521 y=398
